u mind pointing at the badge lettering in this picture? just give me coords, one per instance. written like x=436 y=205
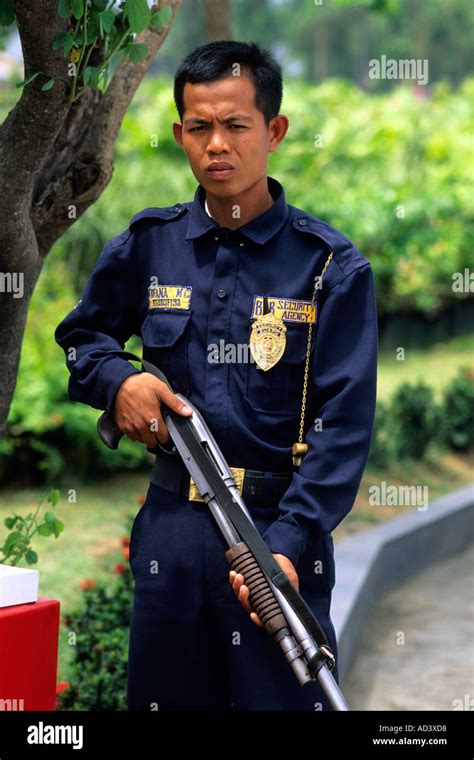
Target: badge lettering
x=286 y=309
x=169 y=297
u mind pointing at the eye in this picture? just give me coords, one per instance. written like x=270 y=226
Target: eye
x=197 y=129
x=239 y=126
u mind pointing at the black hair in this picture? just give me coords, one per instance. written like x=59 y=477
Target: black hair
x=216 y=59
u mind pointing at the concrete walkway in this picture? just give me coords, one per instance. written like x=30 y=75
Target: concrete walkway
x=417 y=648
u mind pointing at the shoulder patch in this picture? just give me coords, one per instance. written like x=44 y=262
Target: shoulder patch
x=166 y=213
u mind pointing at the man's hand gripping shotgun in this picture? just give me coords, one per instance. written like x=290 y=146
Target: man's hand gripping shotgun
x=282 y=611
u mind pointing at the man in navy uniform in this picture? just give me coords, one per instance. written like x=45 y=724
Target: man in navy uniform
x=196 y=281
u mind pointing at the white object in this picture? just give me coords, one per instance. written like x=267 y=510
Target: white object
x=18 y=585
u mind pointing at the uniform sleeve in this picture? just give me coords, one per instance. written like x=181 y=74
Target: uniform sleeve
x=344 y=370
x=103 y=320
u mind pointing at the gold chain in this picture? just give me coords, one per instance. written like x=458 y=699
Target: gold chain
x=298 y=451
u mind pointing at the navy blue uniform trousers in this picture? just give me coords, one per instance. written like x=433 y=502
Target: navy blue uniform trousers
x=192 y=644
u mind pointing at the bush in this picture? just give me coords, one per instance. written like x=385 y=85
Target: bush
x=457 y=411
x=414 y=420
x=101 y=626
x=48 y=434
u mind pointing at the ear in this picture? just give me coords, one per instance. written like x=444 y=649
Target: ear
x=278 y=128
x=178 y=133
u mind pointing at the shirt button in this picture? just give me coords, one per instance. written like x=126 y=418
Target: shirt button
x=241 y=245
x=216 y=237
x=302 y=222
x=221 y=293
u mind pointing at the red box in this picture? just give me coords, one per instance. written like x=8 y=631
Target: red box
x=29 y=635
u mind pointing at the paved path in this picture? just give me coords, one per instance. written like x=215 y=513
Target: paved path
x=433 y=614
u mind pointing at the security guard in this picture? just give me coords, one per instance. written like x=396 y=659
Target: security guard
x=265 y=318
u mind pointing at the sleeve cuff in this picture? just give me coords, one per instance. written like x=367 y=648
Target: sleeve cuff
x=116 y=375
x=285 y=539
x=112 y=374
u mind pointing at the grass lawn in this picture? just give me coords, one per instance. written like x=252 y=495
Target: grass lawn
x=436 y=365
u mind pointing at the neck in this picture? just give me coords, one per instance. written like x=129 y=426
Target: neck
x=252 y=202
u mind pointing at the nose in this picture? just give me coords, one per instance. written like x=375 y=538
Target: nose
x=217 y=142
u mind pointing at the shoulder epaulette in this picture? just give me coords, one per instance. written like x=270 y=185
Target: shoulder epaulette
x=346 y=255
x=165 y=213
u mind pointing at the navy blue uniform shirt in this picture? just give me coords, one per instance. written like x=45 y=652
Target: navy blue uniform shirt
x=191 y=290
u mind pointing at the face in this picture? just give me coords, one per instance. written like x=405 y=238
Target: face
x=222 y=125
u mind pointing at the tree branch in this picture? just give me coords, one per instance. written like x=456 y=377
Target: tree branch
x=81 y=161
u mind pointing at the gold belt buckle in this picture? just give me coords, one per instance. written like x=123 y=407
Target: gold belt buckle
x=237 y=472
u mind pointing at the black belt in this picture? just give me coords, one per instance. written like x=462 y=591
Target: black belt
x=255 y=486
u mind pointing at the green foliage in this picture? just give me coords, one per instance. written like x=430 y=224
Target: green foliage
x=17 y=545
x=457 y=411
x=95 y=37
x=391 y=172
x=101 y=626
x=414 y=420
x=48 y=434
x=7 y=16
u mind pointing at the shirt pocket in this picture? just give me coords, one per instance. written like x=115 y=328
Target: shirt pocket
x=279 y=390
x=165 y=336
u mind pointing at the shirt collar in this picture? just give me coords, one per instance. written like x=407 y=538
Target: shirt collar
x=259 y=230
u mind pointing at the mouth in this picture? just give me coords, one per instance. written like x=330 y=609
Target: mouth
x=217 y=172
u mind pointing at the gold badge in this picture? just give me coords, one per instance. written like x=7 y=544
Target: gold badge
x=267 y=340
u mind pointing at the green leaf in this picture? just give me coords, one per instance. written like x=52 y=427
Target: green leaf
x=77 y=7
x=47 y=85
x=63 y=40
x=100 y=4
x=44 y=530
x=28 y=79
x=95 y=77
x=50 y=518
x=9 y=522
x=161 y=17
x=13 y=539
x=7 y=16
x=31 y=557
x=53 y=497
x=107 y=19
x=138 y=14
x=137 y=52
x=91 y=74
x=64 y=8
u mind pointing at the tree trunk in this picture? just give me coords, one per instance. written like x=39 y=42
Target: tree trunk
x=13 y=313
x=53 y=156
x=217 y=20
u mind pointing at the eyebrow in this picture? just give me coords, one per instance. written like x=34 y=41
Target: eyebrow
x=232 y=117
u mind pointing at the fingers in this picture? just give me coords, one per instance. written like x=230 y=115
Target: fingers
x=242 y=593
x=167 y=396
x=172 y=401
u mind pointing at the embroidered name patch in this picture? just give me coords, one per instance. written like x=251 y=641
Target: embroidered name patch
x=287 y=309
x=170 y=297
